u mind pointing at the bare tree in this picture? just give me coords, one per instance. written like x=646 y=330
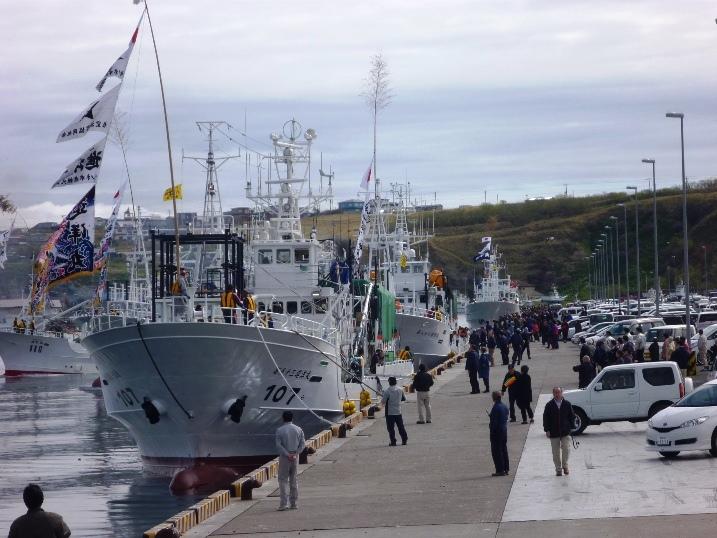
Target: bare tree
x=6 y=205
x=377 y=93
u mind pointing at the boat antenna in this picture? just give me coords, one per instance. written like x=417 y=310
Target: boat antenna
x=169 y=143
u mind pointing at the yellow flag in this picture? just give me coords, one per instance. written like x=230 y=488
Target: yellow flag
x=168 y=193
x=404 y=261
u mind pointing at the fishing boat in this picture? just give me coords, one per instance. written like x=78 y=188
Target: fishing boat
x=199 y=377
x=554 y=298
x=495 y=296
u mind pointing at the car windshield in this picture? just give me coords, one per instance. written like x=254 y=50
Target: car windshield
x=705 y=396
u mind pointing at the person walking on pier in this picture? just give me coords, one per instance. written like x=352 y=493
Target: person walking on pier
x=499 y=435
x=290 y=442
x=392 y=398
x=484 y=369
x=702 y=349
x=516 y=340
x=558 y=422
x=36 y=522
x=491 y=343
x=472 y=368
x=524 y=394
x=422 y=383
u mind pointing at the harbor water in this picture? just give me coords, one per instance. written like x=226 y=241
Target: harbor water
x=56 y=434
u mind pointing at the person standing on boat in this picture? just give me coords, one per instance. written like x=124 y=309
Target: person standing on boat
x=290 y=442
x=422 y=383
x=228 y=303
x=249 y=305
x=37 y=522
x=392 y=398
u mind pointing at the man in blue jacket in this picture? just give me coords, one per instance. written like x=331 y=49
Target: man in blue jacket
x=499 y=435
x=472 y=367
x=484 y=368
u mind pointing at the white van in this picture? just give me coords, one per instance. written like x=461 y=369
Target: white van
x=632 y=392
x=705 y=318
x=673 y=331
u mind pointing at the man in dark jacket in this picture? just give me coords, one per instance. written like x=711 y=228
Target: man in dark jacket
x=422 y=383
x=516 y=340
x=524 y=394
x=654 y=350
x=499 y=435
x=484 y=368
x=37 y=522
x=558 y=422
x=510 y=383
x=681 y=356
x=586 y=371
x=600 y=357
x=584 y=349
x=472 y=367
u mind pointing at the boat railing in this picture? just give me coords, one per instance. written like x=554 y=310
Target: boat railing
x=412 y=310
x=34 y=332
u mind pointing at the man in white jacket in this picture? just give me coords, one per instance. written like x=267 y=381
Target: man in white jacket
x=290 y=443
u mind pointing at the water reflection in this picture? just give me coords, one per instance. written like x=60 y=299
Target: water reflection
x=59 y=436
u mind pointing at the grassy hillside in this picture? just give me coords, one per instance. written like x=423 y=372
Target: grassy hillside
x=544 y=242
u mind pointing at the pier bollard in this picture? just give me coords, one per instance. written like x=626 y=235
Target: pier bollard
x=168 y=532
x=342 y=430
x=439 y=370
x=304 y=456
x=243 y=488
x=411 y=389
x=164 y=528
x=372 y=411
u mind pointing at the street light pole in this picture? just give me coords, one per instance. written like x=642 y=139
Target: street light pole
x=627 y=263
x=656 y=283
x=704 y=249
x=608 y=230
x=607 y=265
x=617 y=257
x=587 y=259
x=637 y=250
x=685 y=250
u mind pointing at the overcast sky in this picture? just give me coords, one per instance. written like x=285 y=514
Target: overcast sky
x=516 y=98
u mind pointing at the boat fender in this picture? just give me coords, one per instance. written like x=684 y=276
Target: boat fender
x=152 y=410
x=168 y=533
x=97 y=383
x=235 y=408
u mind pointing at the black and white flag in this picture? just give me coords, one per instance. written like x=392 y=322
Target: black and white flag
x=84 y=169
x=118 y=68
x=96 y=117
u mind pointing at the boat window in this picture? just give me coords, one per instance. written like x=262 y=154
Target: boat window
x=439 y=300
x=422 y=298
x=301 y=255
x=305 y=307
x=277 y=307
x=291 y=307
x=266 y=256
x=320 y=305
x=283 y=255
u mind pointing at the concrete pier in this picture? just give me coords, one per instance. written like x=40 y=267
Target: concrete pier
x=440 y=483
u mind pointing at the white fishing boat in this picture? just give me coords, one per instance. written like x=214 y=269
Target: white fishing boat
x=424 y=316
x=194 y=382
x=554 y=298
x=495 y=296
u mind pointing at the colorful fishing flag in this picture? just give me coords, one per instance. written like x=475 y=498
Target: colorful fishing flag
x=4 y=237
x=96 y=117
x=84 y=169
x=118 y=68
x=68 y=253
x=167 y=196
x=366 y=179
x=103 y=253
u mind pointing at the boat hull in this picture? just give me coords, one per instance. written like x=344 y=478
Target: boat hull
x=25 y=353
x=428 y=338
x=479 y=313
x=192 y=373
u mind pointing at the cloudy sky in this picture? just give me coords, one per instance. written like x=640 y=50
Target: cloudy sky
x=516 y=98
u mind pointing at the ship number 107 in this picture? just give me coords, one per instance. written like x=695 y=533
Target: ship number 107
x=278 y=392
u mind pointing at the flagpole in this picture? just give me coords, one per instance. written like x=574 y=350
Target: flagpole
x=169 y=143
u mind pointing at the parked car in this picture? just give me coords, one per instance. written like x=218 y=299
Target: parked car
x=627 y=327
x=673 y=331
x=594 y=329
x=584 y=323
x=710 y=333
x=705 y=319
x=690 y=424
x=632 y=392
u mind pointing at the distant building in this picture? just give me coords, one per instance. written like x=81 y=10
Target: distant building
x=430 y=207
x=350 y=206
x=239 y=215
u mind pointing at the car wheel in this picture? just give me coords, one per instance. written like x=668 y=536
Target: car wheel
x=656 y=408
x=669 y=454
x=713 y=450
x=581 y=422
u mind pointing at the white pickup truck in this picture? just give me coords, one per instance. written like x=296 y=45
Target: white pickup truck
x=632 y=392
